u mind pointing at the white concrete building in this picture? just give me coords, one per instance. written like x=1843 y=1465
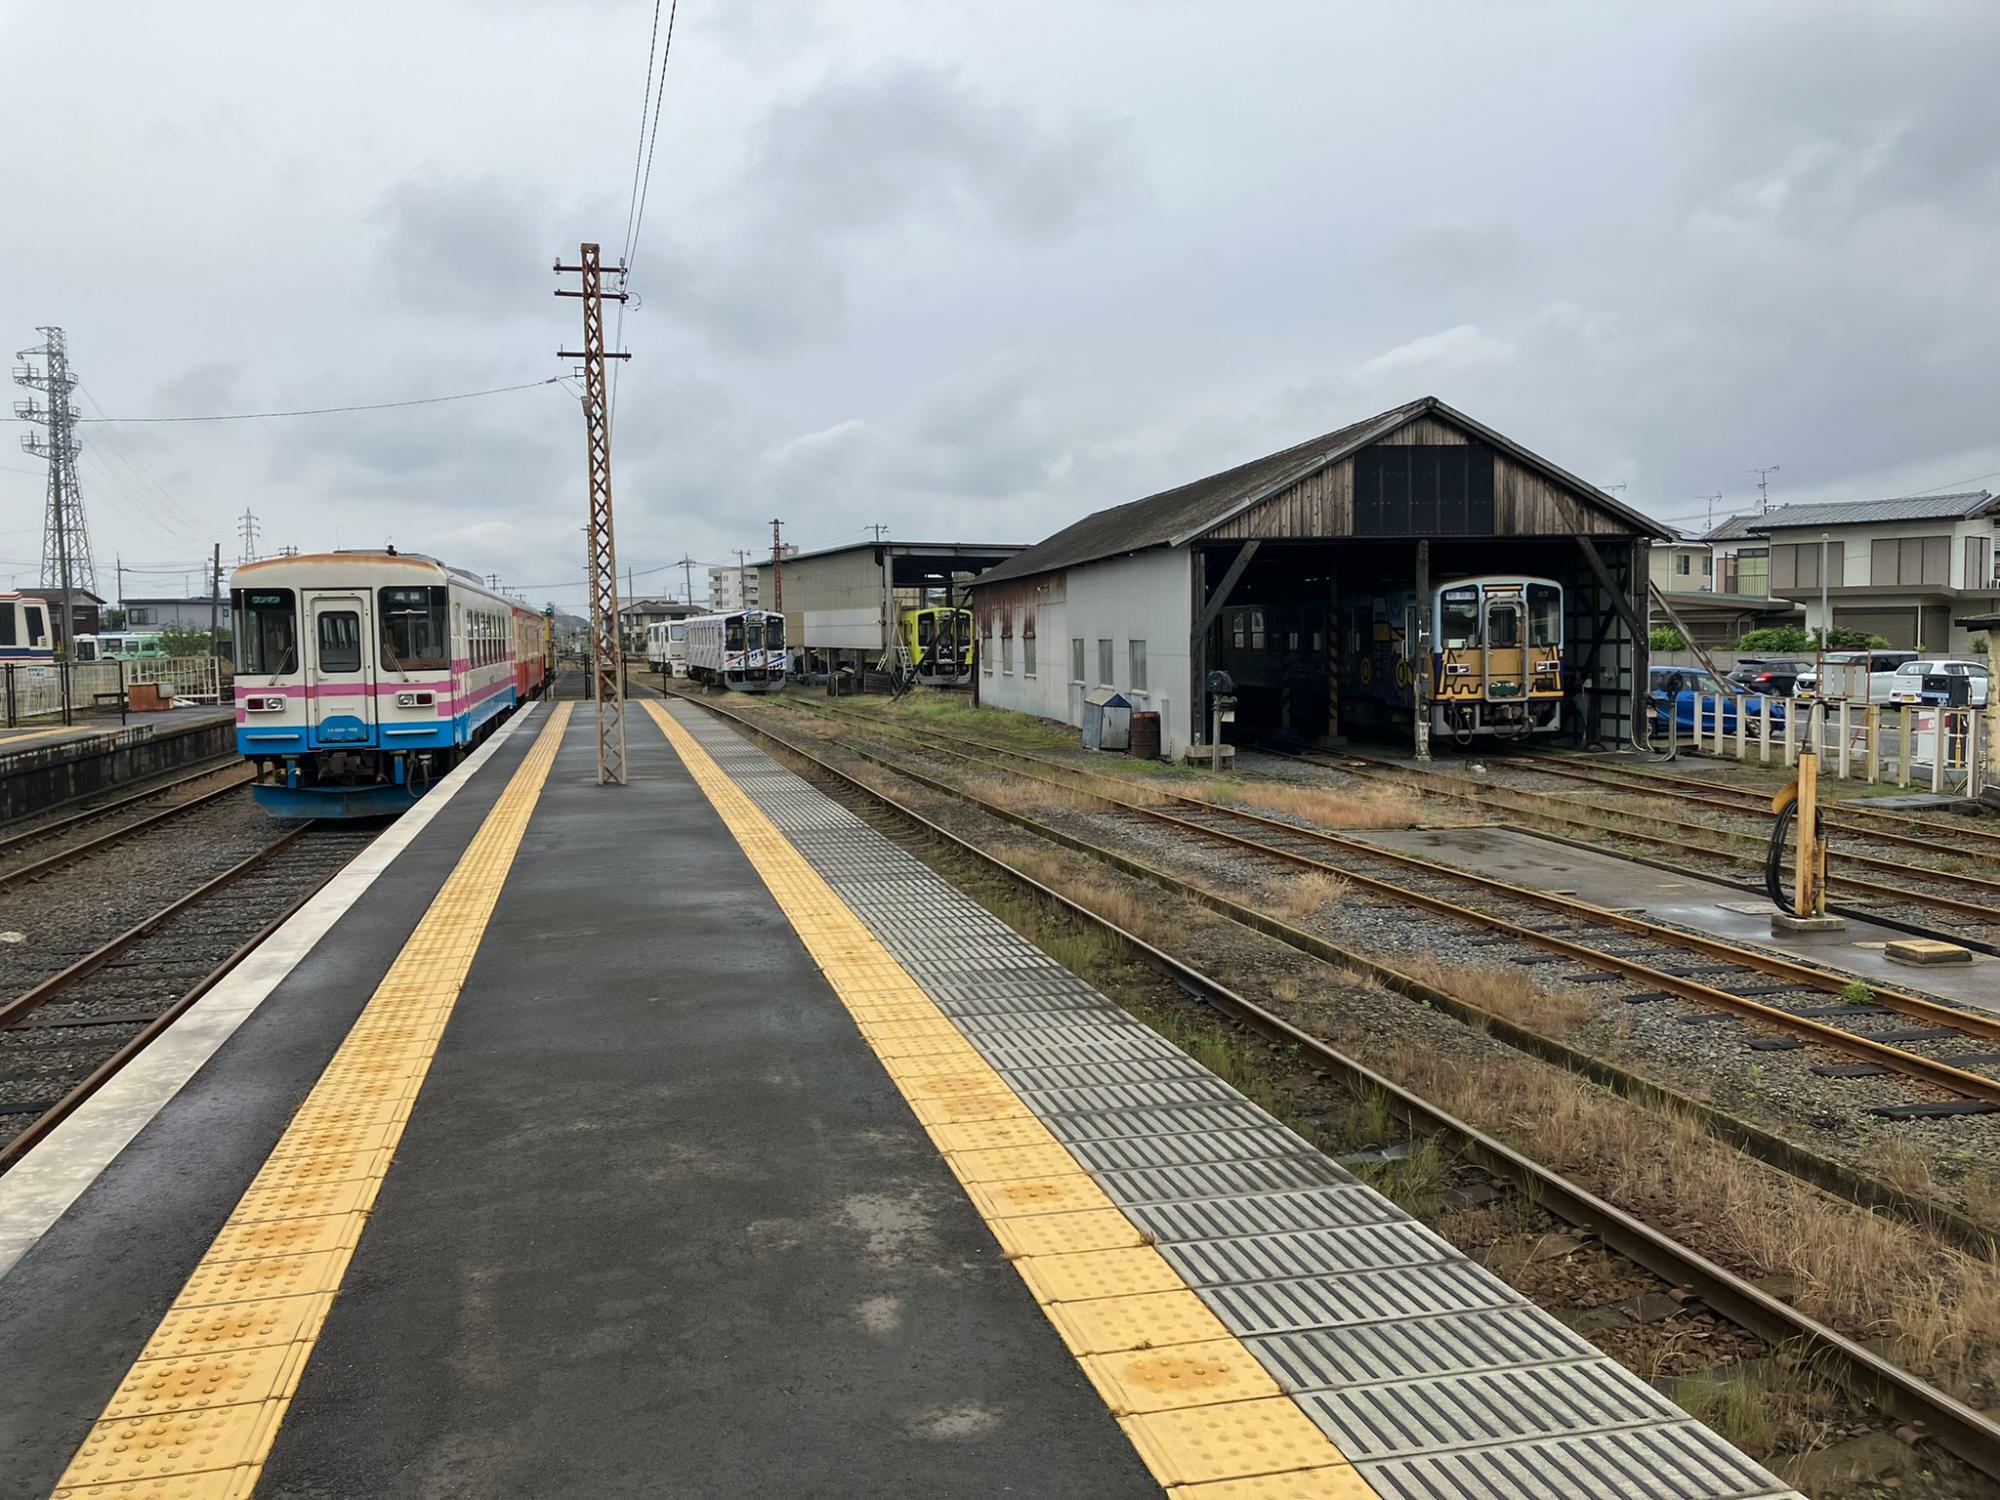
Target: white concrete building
x=732 y=588
x=1905 y=569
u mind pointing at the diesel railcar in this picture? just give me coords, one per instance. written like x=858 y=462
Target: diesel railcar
x=667 y=648
x=362 y=677
x=938 y=642
x=743 y=651
x=24 y=629
x=1496 y=659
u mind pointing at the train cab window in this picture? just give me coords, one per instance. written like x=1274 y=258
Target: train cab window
x=7 y=626
x=413 y=626
x=1545 y=615
x=774 y=632
x=677 y=632
x=340 y=641
x=1503 y=626
x=267 y=630
x=38 y=629
x=1460 y=622
x=1256 y=630
x=753 y=634
x=926 y=630
x=732 y=632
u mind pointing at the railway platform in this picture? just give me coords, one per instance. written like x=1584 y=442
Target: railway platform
x=691 y=1138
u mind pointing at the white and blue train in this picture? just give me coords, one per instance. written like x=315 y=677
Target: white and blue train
x=363 y=676
x=743 y=651
x=24 y=629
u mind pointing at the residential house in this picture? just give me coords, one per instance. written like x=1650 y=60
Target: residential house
x=1906 y=569
x=187 y=614
x=1697 y=583
x=636 y=617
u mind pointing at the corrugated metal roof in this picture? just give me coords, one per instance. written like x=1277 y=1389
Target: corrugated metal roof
x=1178 y=515
x=1734 y=529
x=1865 y=512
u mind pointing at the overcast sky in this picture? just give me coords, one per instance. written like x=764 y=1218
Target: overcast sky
x=973 y=270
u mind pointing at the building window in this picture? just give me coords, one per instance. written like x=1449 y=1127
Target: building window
x=1908 y=560
x=1076 y=659
x=1683 y=565
x=1976 y=550
x=1006 y=656
x=986 y=646
x=1104 y=664
x=1028 y=655
x=139 y=616
x=1137 y=651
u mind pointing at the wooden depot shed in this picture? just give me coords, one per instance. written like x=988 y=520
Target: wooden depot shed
x=1149 y=596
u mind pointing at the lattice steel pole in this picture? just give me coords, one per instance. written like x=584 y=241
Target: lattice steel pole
x=66 y=561
x=607 y=655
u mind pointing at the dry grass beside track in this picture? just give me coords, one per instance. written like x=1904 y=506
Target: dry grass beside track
x=1387 y=808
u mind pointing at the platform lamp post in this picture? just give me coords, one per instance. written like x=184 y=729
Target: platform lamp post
x=1825 y=619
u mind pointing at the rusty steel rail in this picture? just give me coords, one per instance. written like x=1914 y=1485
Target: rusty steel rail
x=52 y=987
x=105 y=840
x=38 y=1128
x=1467 y=789
x=216 y=764
x=1928 y=1070
x=1956 y=1426
x=1838 y=813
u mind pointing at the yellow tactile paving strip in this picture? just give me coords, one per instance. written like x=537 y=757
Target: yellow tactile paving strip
x=195 y=1417
x=1204 y=1415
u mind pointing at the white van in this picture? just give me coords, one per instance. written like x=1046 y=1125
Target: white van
x=1922 y=680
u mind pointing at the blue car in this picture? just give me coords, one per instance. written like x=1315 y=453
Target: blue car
x=1696 y=698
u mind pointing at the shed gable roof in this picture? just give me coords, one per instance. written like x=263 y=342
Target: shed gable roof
x=1176 y=516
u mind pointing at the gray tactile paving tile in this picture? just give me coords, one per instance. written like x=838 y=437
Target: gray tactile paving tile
x=1437 y=1378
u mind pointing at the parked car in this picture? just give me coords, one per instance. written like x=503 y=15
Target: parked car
x=1841 y=669
x=1775 y=675
x=1925 y=680
x=1696 y=699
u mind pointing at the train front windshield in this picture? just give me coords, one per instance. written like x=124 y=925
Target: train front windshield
x=267 y=630
x=413 y=628
x=1545 y=615
x=732 y=635
x=774 y=632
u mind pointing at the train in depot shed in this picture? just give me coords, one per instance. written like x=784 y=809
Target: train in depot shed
x=1496 y=658
x=938 y=644
x=362 y=677
x=743 y=650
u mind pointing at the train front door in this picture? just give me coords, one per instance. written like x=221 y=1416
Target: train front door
x=1506 y=661
x=339 y=684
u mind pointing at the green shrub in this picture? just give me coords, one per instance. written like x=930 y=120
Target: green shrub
x=1666 y=638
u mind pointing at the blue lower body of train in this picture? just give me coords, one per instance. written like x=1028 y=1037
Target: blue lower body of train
x=342 y=768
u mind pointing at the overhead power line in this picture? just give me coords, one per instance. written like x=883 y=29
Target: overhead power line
x=322 y=411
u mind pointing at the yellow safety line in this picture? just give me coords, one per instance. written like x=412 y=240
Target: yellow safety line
x=196 y=1415
x=10 y=740
x=1205 y=1416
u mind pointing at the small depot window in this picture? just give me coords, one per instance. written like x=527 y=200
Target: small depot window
x=1104 y=663
x=1076 y=659
x=1137 y=652
x=1006 y=656
x=1028 y=655
x=986 y=646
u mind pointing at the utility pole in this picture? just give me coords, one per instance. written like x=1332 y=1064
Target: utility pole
x=607 y=659
x=66 y=560
x=1764 y=487
x=120 y=558
x=246 y=533
x=215 y=604
x=686 y=565
x=742 y=589
x=879 y=529
x=777 y=566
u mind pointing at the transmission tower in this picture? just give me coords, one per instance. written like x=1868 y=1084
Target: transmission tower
x=607 y=655
x=246 y=536
x=66 y=560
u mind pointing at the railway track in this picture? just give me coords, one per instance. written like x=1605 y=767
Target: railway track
x=66 y=1037
x=1971 y=917
x=1901 y=830
x=1905 y=1396
x=1780 y=992
x=25 y=849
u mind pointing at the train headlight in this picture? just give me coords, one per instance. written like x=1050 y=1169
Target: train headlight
x=1548 y=666
x=264 y=705
x=415 y=700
